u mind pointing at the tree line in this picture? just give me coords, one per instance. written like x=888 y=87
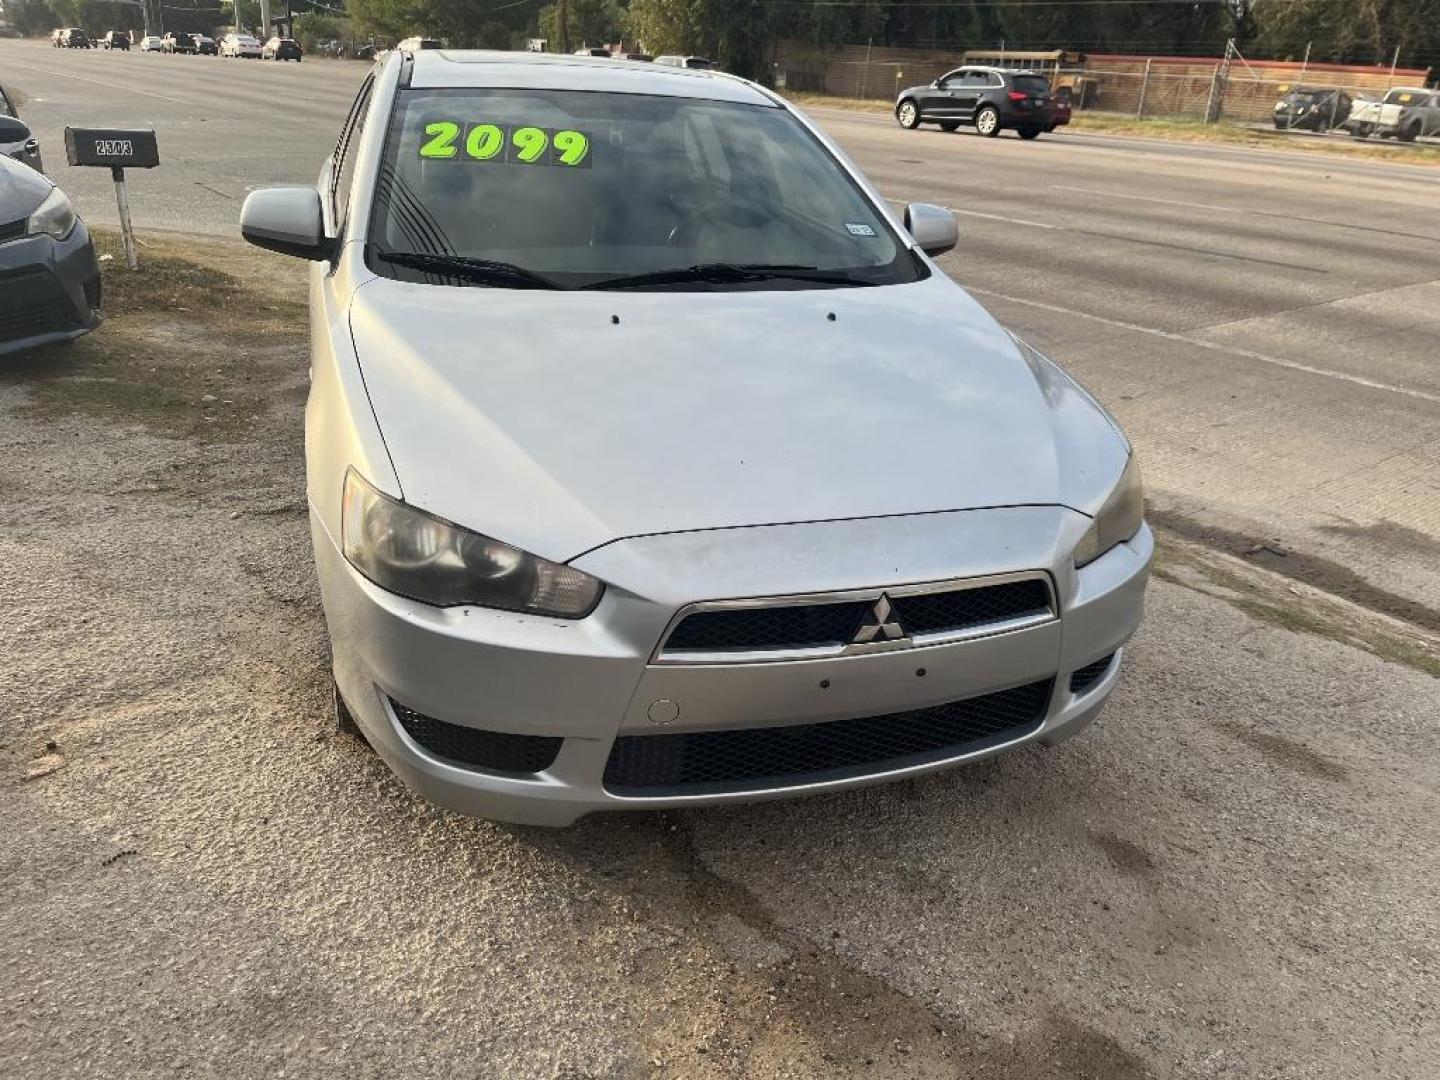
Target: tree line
x=741 y=34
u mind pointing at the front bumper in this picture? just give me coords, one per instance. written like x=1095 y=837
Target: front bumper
x=579 y=686
x=49 y=290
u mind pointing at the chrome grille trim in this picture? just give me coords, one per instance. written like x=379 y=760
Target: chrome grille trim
x=662 y=655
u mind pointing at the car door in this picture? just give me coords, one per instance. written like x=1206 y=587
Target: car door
x=938 y=101
x=1430 y=116
x=968 y=99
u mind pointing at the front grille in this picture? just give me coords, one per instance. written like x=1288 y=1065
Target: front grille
x=783 y=626
x=965 y=609
x=791 y=627
x=474 y=748
x=1082 y=679
x=12 y=230
x=746 y=759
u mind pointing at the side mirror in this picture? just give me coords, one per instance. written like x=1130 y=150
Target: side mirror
x=933 y=227
x=13 y=130
x=288 y=220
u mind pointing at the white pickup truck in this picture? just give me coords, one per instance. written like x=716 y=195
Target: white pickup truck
x=1405 y=113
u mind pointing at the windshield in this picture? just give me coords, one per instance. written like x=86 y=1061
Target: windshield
x=582 y=188
x=1403 y=97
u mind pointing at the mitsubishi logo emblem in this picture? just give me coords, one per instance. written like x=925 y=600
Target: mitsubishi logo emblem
x=880 y=626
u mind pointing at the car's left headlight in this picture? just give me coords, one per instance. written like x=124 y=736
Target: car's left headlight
x=1119 y=518
x=410 y=552
x=53 y=217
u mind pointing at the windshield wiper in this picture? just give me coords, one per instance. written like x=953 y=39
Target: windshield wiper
x=480 y=271
x=726 y=274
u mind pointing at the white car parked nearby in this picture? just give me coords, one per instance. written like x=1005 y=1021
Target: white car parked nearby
x=242 y=45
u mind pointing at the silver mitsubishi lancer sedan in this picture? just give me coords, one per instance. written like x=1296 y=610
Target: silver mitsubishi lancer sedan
x=653 y=462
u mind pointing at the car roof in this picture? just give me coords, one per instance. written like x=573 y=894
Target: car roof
x=554 y=71
x=997 y=70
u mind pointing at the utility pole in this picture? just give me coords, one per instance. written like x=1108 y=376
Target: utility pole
x=264 y=19
x=1304 y=66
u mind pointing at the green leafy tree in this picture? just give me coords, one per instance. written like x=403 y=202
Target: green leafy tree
x=590 y=22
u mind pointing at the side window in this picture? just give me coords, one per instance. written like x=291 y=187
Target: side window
x=343 y=171
x=977 y=78
x=952 y=81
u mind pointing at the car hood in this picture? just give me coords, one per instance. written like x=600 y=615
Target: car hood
x=559 y=422
x=22 y=189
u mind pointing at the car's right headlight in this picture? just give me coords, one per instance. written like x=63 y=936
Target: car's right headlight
x=1119 y=518
x=415 y=554
x=53 y=217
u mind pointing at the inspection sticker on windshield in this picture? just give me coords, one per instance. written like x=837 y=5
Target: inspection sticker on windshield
x=516 y=144
x=858 y=229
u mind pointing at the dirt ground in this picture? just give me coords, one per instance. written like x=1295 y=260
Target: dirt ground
x=1231 y=876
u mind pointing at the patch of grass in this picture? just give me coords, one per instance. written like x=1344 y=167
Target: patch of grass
x=1244 y=135
x=830 y=101
x=1269 y=599
x=187 y=349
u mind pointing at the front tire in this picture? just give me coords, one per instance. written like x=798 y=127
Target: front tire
x=987 y=121
x=1410 y=134
x=344 y=722
x=908 y=114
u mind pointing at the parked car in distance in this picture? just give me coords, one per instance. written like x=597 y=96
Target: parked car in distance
x=278 y=48
x=768 y=613
x=151 y=43
x=414 y=44
x=596 y=51
x=16 y=139
x=177 y=43
x=72 y=37
x=1405 y=113
x=205 y=46
x=1312 y=108
x=240 y=45
x=644 y=58
x=693 y=63
x=52 y=280
x=992 y=99
x=116 y=39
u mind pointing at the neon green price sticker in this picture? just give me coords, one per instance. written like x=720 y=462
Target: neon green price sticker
x=450 y=140
x=440 y=139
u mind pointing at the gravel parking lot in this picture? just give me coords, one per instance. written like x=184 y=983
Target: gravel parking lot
x=1231 y=876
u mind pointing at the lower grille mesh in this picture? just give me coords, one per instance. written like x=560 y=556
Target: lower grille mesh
x=43 y=317
x=1086 y=677
x=707 y=762
x=474 y=748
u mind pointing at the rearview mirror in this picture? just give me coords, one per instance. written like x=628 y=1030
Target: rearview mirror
x=933 y=227
x=288 y=220
x=13 y=130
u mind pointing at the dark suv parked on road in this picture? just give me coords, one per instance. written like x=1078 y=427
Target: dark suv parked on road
x=990 y=98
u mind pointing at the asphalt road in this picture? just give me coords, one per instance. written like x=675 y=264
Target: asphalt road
x=1230 y=877
x=1264 y=323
